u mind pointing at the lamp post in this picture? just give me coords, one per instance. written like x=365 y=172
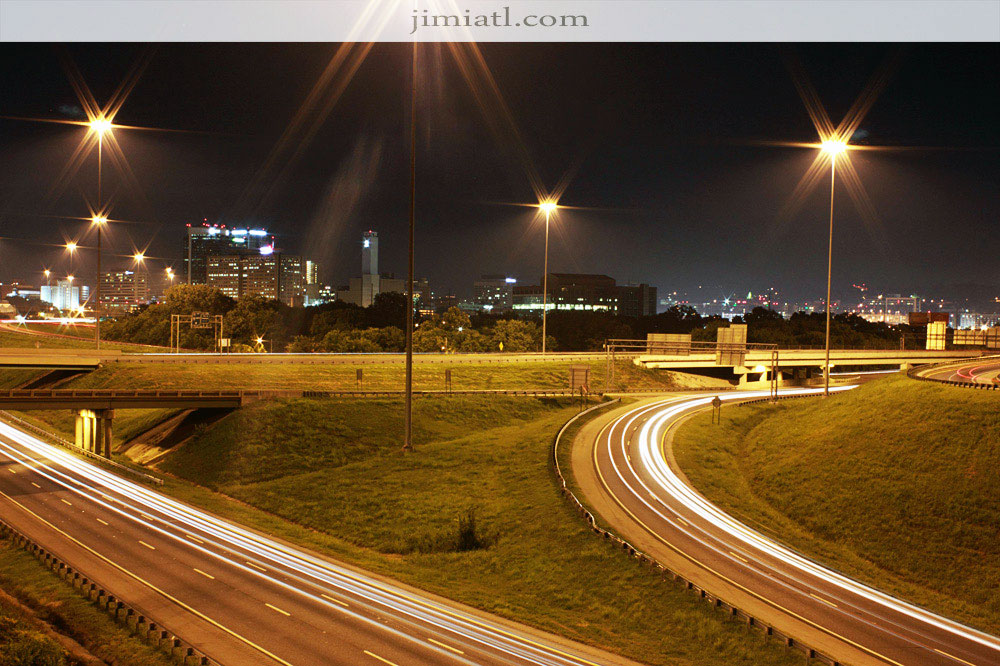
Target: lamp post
x=99 y=221
x=833 y=148
x=408 y=406
x=99 y=126
x=546 y=207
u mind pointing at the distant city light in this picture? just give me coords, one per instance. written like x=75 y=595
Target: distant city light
x=367 y=243
x=511 y=281
x=266 y=249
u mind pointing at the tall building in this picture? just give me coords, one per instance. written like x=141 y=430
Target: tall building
x=213 y=240
x=363 y=290
x=494 y=293
x=123 y=291
x=311 y=273
x=272 y=275
x=62 y=295
x=637 y=300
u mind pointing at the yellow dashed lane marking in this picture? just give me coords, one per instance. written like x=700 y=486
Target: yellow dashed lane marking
x=36 y=485
x=67 y=502
x=147 y=545
x=446 y=647
x=206 y=575
x=275 y=608
x=101 y=521
x=382 y=659
x=823 y=600
x=951 y=656
x=336 y=601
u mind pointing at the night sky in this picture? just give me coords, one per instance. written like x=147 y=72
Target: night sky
x=674 y=190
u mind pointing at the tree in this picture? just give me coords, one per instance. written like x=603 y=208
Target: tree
x=512 y=335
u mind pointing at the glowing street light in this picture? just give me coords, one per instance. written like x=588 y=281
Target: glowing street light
x=46 y=273
x=100 y=126
x=833 y=147
x=138 y=257
x=546 y=207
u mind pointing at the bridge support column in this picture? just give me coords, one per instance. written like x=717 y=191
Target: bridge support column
x=86 y=429
x=104 y=420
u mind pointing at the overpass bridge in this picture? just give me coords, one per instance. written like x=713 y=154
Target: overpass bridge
x=793 y=358
x=95 y=408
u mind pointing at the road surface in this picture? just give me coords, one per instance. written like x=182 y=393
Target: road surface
x=625 y=468
x=979 y=371
x=240 y=597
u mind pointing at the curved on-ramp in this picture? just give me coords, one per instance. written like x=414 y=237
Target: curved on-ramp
x=624 y=466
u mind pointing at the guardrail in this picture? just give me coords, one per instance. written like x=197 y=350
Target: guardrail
x=66 y=444
x=665 y=572
x=914 y=373
x=138 y=622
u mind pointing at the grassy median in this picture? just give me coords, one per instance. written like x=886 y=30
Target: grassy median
x=894 y=483
x=45 y=603
x=472 y=514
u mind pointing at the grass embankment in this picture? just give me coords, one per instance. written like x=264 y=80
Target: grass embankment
x=45 y=603
x=530 y=375
x=330 y=475
x=67 y=338
x=894 y=483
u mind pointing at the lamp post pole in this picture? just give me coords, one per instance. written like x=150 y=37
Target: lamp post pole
x=829 y=276
x=97 y=290
x=545 y=279
x=408 y=417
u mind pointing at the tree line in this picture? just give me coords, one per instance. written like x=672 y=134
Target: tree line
x=342 y=327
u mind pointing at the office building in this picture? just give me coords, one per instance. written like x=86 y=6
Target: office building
x=363 y=290
x=63 y=295
x=587 y=292
x=637 y=300
x=212 y=240
x=123 y=291
x=494 y=293
x=311 y=274
x=272 y=275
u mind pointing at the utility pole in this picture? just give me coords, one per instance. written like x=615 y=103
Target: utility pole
x=408 y=417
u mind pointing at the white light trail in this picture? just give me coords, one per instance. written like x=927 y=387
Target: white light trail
x=297 y=565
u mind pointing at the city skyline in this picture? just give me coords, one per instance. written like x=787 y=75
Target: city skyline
x=692 y=126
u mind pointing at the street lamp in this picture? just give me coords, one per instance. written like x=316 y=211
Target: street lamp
x=99 y=221
x=99 y=126
x=138 y=257
x=46 y=273
x=546 y=207
x=832 y=147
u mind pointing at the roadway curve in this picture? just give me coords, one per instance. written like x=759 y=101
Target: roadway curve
x=239 y=596
x=979 y=371
x=626 y=470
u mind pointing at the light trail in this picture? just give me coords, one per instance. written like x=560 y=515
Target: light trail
x=661 y=416
x=308 y=574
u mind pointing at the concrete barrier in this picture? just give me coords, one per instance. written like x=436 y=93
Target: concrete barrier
x=120 y=611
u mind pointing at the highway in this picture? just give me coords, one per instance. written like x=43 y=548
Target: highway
x=239 y=596
x=626 y=470
x=979 y=371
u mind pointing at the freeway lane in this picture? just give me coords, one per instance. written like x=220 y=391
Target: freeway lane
x=627 y=472
x=239 y=596
x=980 y=371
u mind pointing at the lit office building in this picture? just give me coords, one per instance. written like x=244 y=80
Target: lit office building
x=270 y=274
x=494 y=293
x=63 y=295
x=212 y=240
x=123 y=291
